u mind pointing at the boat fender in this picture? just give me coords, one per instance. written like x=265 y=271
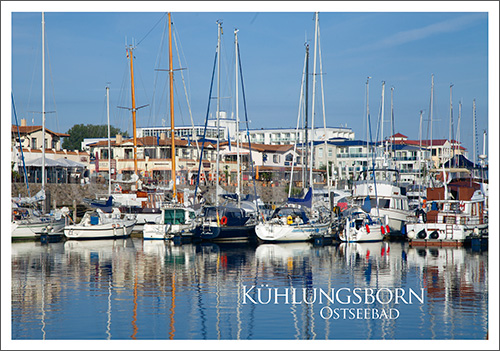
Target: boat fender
x=434 y=235
x=387 y=230
x=118 y=188
x=411 y=234
x=289 y=220
x=382 y=229
x=367 y=228
x=422 y=234
x=223 y=220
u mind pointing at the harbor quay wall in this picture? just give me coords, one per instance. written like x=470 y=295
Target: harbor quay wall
x=64 y=194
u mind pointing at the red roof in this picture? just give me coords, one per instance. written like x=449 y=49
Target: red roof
x=32 y=129
x=399 y=135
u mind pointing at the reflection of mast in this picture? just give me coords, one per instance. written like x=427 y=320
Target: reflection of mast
x=238 y=306
x=172 y=310
x=134 y=318
x=108 y=325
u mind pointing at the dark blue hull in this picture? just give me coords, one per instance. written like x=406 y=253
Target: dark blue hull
x=221 y=233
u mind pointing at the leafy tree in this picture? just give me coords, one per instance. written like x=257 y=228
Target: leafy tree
x=80 y=131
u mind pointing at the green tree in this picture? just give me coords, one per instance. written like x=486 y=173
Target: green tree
x=80 y=131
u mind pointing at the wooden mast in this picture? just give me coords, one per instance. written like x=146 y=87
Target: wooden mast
x=172 y=129
x=131 y=55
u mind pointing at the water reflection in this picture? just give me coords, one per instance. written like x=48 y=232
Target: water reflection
x=134 y=289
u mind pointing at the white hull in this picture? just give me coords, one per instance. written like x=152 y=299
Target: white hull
x=396 y=218
x=25 y=229
x=166 y=231
x=100 y=231
x=353 y=235
x=144 y=218
x=442 y=231
x=286 y=232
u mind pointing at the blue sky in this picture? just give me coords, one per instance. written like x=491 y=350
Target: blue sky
x=86 y=50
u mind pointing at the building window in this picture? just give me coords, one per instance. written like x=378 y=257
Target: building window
x=129 y=154
x=276 y=158
x=33 y=143
x=150 y=152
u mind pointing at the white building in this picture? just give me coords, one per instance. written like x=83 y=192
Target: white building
x=286 y=136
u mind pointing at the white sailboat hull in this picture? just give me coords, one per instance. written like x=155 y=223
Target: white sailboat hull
x=26 y=229
x=286 y=232
x=118 y=229
x=351 y=234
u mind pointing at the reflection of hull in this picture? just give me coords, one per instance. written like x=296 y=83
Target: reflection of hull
x=282 y=251
x=102 y=246
x=366 y=249
x=285 y=232
x=100 y=231
x=27 y=229
x=154 y=248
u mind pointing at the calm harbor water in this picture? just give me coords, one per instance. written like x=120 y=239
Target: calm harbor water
x=149 y=290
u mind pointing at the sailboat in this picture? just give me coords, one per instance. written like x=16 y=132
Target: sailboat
x=377 y=190
x=29 y=222
x=96 y=224
x=291 y=222
x=224 y=221
x=175 y=219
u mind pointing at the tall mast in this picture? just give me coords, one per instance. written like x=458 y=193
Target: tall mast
x=367 y=124
x=237 y=117
x=451 y=125
x=432 y=106
x=392 y=117
x=458 y=124
x=324 y=115
x=419 y=158
x=131 y=57
x=43 y=109
x=109 y=142
x=311 y=183
x=172 y=128
x=306 y=108
x=474 y=129
x=382 y=117
x=219 y=25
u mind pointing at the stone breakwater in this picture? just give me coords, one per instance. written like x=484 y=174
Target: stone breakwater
x=64 y=194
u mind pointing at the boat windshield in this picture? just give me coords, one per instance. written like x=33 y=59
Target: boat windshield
x=284 y=212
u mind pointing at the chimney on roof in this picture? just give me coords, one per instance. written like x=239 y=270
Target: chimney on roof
x=119 y=139
x=23 y=122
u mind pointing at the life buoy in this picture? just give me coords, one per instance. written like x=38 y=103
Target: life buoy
x=422 y=234
x=289 y=220
x=223 y=220
x=434 y=235
x=118 y=188
x=462 y=206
